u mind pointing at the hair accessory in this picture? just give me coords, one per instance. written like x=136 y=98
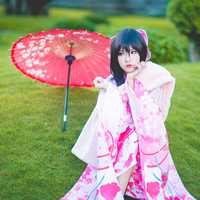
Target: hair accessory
x=145 y=37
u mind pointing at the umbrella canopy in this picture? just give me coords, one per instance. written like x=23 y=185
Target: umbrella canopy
x=63 y=58
x=41 y=56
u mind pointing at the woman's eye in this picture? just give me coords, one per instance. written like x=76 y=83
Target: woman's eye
x=120 y=53
x=133 y=52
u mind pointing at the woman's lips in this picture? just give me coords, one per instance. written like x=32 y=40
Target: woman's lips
x=130 y=65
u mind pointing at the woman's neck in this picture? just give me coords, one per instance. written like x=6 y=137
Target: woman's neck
x=131 y=82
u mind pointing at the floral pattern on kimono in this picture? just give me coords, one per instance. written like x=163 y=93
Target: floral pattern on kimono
x=141 y=140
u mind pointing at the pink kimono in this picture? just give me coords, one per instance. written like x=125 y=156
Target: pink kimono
x=125 y=129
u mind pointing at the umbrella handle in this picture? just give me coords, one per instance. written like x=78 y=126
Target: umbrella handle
x=70 y=58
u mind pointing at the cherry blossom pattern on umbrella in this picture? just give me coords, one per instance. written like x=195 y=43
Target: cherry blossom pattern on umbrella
x=63 y=58
x=41 y=56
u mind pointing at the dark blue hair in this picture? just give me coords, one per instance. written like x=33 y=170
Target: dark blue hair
x=124 y=39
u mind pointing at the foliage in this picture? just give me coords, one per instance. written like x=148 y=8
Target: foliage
x=97 y=19
x=75 y=24
x=186 y=16
x=167 y=48
x=26 y=7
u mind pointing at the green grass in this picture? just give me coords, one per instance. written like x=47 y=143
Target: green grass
x=64 y=12
x=183 y=124
x=119 y=22
x=1 y=10
x=22 y=24
x=35 y=156
x=26 y=24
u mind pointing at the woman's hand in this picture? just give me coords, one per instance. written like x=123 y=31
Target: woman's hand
x=131 y=76
x=139 y=68
x=100 y=82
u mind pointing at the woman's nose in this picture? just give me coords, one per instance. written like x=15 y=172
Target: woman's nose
x=127 y=57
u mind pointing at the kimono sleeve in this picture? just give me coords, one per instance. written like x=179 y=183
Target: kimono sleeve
x=162 y=96
x=84 y=147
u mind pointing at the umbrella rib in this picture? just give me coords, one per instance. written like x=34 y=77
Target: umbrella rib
x=100 y=56
x=102 y=61
x=104 y=55
x=54 y=64
x=85 y=64
x=93 y=63
x=92 y=71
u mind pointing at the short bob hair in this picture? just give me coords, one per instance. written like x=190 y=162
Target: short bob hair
x=124 y=39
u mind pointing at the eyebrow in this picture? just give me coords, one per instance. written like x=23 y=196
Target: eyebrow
x=124 y=49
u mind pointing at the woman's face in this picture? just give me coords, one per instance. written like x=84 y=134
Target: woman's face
x=128 y=61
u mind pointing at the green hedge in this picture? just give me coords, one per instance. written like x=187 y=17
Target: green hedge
x=97 y=19
x=88 y=22
x=167 y=48
x=75 y=24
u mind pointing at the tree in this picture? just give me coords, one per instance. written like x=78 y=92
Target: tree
x=26 y=7
x=186 y=16
x=123 y=6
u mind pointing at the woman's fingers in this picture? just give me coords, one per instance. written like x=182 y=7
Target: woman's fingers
x=137 y=70
x=140 y=67
x=99 y=82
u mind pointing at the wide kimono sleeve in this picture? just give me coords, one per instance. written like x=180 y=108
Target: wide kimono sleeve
x=87 y=138
x=162 y=96
x=104 y=112
x=160 y=83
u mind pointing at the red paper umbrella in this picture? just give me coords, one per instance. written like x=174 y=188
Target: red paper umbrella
x=63 y=58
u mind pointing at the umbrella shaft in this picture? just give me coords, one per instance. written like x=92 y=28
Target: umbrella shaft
x=67 y=94
x=69 y=58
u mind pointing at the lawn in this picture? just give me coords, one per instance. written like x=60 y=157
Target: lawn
x=21 y=23
x=36 y=162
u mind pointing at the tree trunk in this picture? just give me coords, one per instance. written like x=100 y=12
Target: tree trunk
x=26 y=7
x=122 y=6
x=194 y=51
x=37 y=7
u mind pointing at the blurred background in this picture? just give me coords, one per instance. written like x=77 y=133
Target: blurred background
x=35 y=158
x=165 y=21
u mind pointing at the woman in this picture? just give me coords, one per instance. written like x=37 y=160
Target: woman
x=124 y=141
